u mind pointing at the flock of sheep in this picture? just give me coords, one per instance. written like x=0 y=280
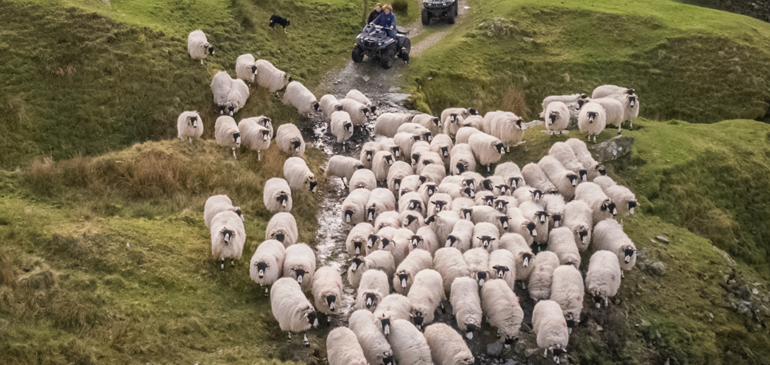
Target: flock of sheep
x=426 y=226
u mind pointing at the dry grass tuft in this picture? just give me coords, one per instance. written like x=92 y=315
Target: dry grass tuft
x=515 y=101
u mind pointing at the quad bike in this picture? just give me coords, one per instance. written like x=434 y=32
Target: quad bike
x=374 y=43
x=439 y=9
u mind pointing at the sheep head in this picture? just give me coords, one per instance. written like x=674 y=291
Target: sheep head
x=592 y=117
x=467 y=213
x=500 y=147
x=395 y=151
x=240 y=213
x=503 y=222
x=300 y=273
x=582 y=232
x=489 y=200
x=531 y=227
x=468 y=191
x=279 y=236
x=469 y=328
x=265 y=135
x=556 y=220
x=348 y=127
x=384 y=242
x=514 y=182
x=598 y=298
x=472 y=111
x=501 y=205
x=573 y=179
x=315 y=106
x=369 y=155
x=331 y=301
x=427 y=136
x=371 y=240
x=282 y=198
x=526 y=258
x=357 y=261
x=194 y=121
x=403 y=277
x=450 y=241
x=261 y=267
x=227 y=234
x=430 y=188
x=501 y=270
x=481 y=276
x=632 y=100
x=628 y=253
x=631 y=205
x=312 y=183
x=552 y=117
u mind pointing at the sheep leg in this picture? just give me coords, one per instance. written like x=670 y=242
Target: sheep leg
x=201 y=61
x=508 y=148
x=232 y=262
x=267 y=291
x=223 y=264
x=190 y=139
x=290 y=336
x=630 y=125
x=620 y=127
x=307 y=342
x=259 y=155
x=487 y=167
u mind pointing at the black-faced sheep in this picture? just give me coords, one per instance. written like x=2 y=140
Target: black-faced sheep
x=409 y=345
x=189 y=125
x=291 y=309
x=592 y=120
x=298 y=175
x=282 y=227
x=561 y=241
x=299 y=265
x=254 y=135
x=289 y=140
x=227 y=237
x=567 y=290
x=342 y=348
x=246 y=68
x=376 y=347
x=301 y=98
x=542 y=275
x=266 y=265
x=581 y=152
x=270 y=77
x=416 y=261
x=342 y=127
x=327 y=290
x=198 y=46
x=608 y=235
x=227 y=133
x=277 y=195
x=551 y=328
x=216 y=204
x=373 y=287
x=501 y=307
x=603 y=277
x=449 y=262
x=556 y=117
x=447 y=347
x=602 y=206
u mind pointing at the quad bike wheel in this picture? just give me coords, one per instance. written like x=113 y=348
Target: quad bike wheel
x=450 y=18
x=358 y=54
x=388 y=57
x=425 y=17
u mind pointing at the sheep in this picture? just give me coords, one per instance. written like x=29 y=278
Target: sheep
x=551 y=328
x=522 y=254
x=270 y=77
x=609 y=90
x=388 y=124
x=564 y=180
x=289 y=140
x=237 y=97
x=376 y=347
x=447 y=346
x=478 y=264
x=578 y=217
x=198 y=45
x=367 y=153
x=464 y=134
x=567 y=290
x=602 y=206
x=357 y=111
x=411 y=220
x=503 y=264
x=443 y=223
x=603 y=277
x=487 y=149
x=502 y=203
x=433 y=124
x=453 y=113
x=381 y=200
x=300 y=265
x=393 y=307
x=592 y=120
x=343 y=167
x=433 y=173
x=354 y=206
x=246 y=68
x=466 y=304
x=216 y=204
x=327 y=290
x=554 y=205
x=630 y=104
x=363 y=179
x=361 y=98
x=425 y=239
x=535 y=177
x=282 y=227
x=390 y=145
x=298 y=175
x=377 y=260
x=461 y=236
x=428 y=157
x=409 y=345
x=227 y=133
x=505 y=126
x=410 y=184
x=556 y=117
x=267 y=263
x=373 y=287
x=496 y=184
x=623 y=197
x=381 y=164
x=358 y=239
x=542 y=275
x=566 y=99
x=449 y=262
x=291 y=309
x=328 y=105
x=439 y=202
x=527 y=194
x=411 y=201
x=342 y=348
x=301 y=98
x=227 y=237
x=561 y=241
x=342 y=127
x=426 y=294
x=396 y=174
x=416 y=130
x=221 y=84
x=485 y=235
x=536 y=213
x=485 y=198
x=387 y=219
x=405 y=141
x=189 y=125
x=277 y=195
x=254 y=135
x=608 y=235
x=521 y=225
x=427 y=189
x=614 y=111
x=442 y=145
x=462 y=159
x=581 y=152
x=474 y=121
x=415 y=262
x=511 y=173
x=502 y=310
x=564 y=154
x=483 y=213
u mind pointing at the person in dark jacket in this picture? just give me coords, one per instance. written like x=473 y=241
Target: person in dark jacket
x=387 y=20
x=375 y=13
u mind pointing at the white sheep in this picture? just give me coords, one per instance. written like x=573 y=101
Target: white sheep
x=602 y=206
x=227 y=133
x=377 y=260
x=267 y=263
x=254 y=135
x=503 y=264
x=474 y=121
x=358 y=112
x=405 y=141
x=521 y=225
x=396 y=241
x=411 y=220
x=298 y=175
x=368 y=150
x=464 y=134
x=554 y=205
x=608 y=90
x=624 y=199
x=502 y=203
x=376 y=347
x=439 y=202
x=416 y=261
x=511 y=173
x=390 y=145
x=505 y=126
x=603 y=277
x=358 y=239
x=578 y=217
x=592 y=120
x=486 y=236
x=551 y=328
x=447 y=347
x=270 y=77
x=361 y=98
x=227 y=237
x=354 y=207
x=462 y=159
x=502 y=309
x=564 y=154
x=221 y=84
x=566 y=99
x=561 y=241
x=289 y=140
x=581 y=152
x=387 y=124
x=443 y=223
x=277 y=195
x=442 y=145
x=461 y=236
x=380 y=200
x=564 y=180
x=425 y=239
x=343 y=167
x=485 y=213
x=342 y=127
x=282 y=227
x=614 y=112
x=299 y=265
x=290 y=308
x=485 y=198
x=427 y=189
x=327 y=290
x=478 y=264
x=409 y=345
x=567 y=290
x=411 y=201
x=452 y=114
x=387 y=219
x=449 y=262
x=630 y=104
x=608 y=235
x=536 y=213
x=535 y=177
x=428 y=121
x=426 y=294
x=301 y=98
x=381 y=164
x=216 y=204
x=328 y=105
x=497 y=185
x=189 y=125
x=522 y=254
x=542 y=275
x=466 y=305
x=487 y=149
x=198 y=46
x=363 y=179
x=393 y=307
x=374 y=286
x=433 y=173
x=237 y=97
x=525 y=193
x=556 y=117
x=396 y=174
x=342 y=348
x=246 y=68
x=416 y=130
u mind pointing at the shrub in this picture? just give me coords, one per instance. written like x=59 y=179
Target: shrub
x=515 y=101
x=400 y=5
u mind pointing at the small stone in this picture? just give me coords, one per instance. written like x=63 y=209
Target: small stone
x=527 y=39
x=366 y=78
x=599 y=328
x=742 y=308
x=711 y=315
x=662 y=239
x=494 y=348
x=668 y=361
x=657 y=334
x=755 y=291
x=658 y=268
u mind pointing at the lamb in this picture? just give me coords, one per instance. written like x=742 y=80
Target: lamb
x=537 y=214
x=221 y=84
x=564 y=180
x=267 y=263
x=198 y=45
x=426 y=294
x=282 y=227
x=609 y=90
x=246 y=68
x=361 y=98
x=270 y=77
x=277 y=195
x=381 y=200
x=216 y=204
x=381 y=164
x=503 y=264
x=291 y=309
x=363 y=179
x=592 y=120
x=478 y=264
x=227 y=133
x=581 y=152
x=373 y=287
x=487 y=149
x=189 y=125
x=561 y=241
x=328 y=105
x=342 y=127
x=237 y=97
x=602 y=206
x=511 y=173
x=425 y=239
x=521 y=225
x=536 y=178
x=466 y=305
x=447 y=346
x=608 y=235
x=415 y=262
x=299 y=265
x=411 y=220
x=603 y=277
x=551 y=328
x=449 y=262
x=505 y=126
x=393 y=307
x=433 y=124
x=566 y=99
x=254 y=135
x=486 y=235
x=367 y=153
x=461 y=236
x=542 y=275
x=357 y=111
x=376 y=347
x=522 y=254
x=462 y=159
x=377 y=260
x=227 y=237
x=630 y=108
x=443 y=223
x=342 y=348
x=578 y=217
x=409 y=345
x=411 y=201
x=298 y=175
x=613 y=110
x=567 y=290
x=501 y=307
x=464 y=134
x=396 y=174
x=343 y=167
x=388 y=124
x=327 y=290
x=564 y=154
x=289 y=140
x=554 y=205
x=358 y=239
x=301 y=98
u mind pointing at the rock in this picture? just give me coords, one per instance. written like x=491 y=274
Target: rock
x=662 y=239
x=510 y=362
x=494 y=348
x=755 y=291
x=366 y=78
x=530 y=352
x=658 y=268
x=612 y=149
